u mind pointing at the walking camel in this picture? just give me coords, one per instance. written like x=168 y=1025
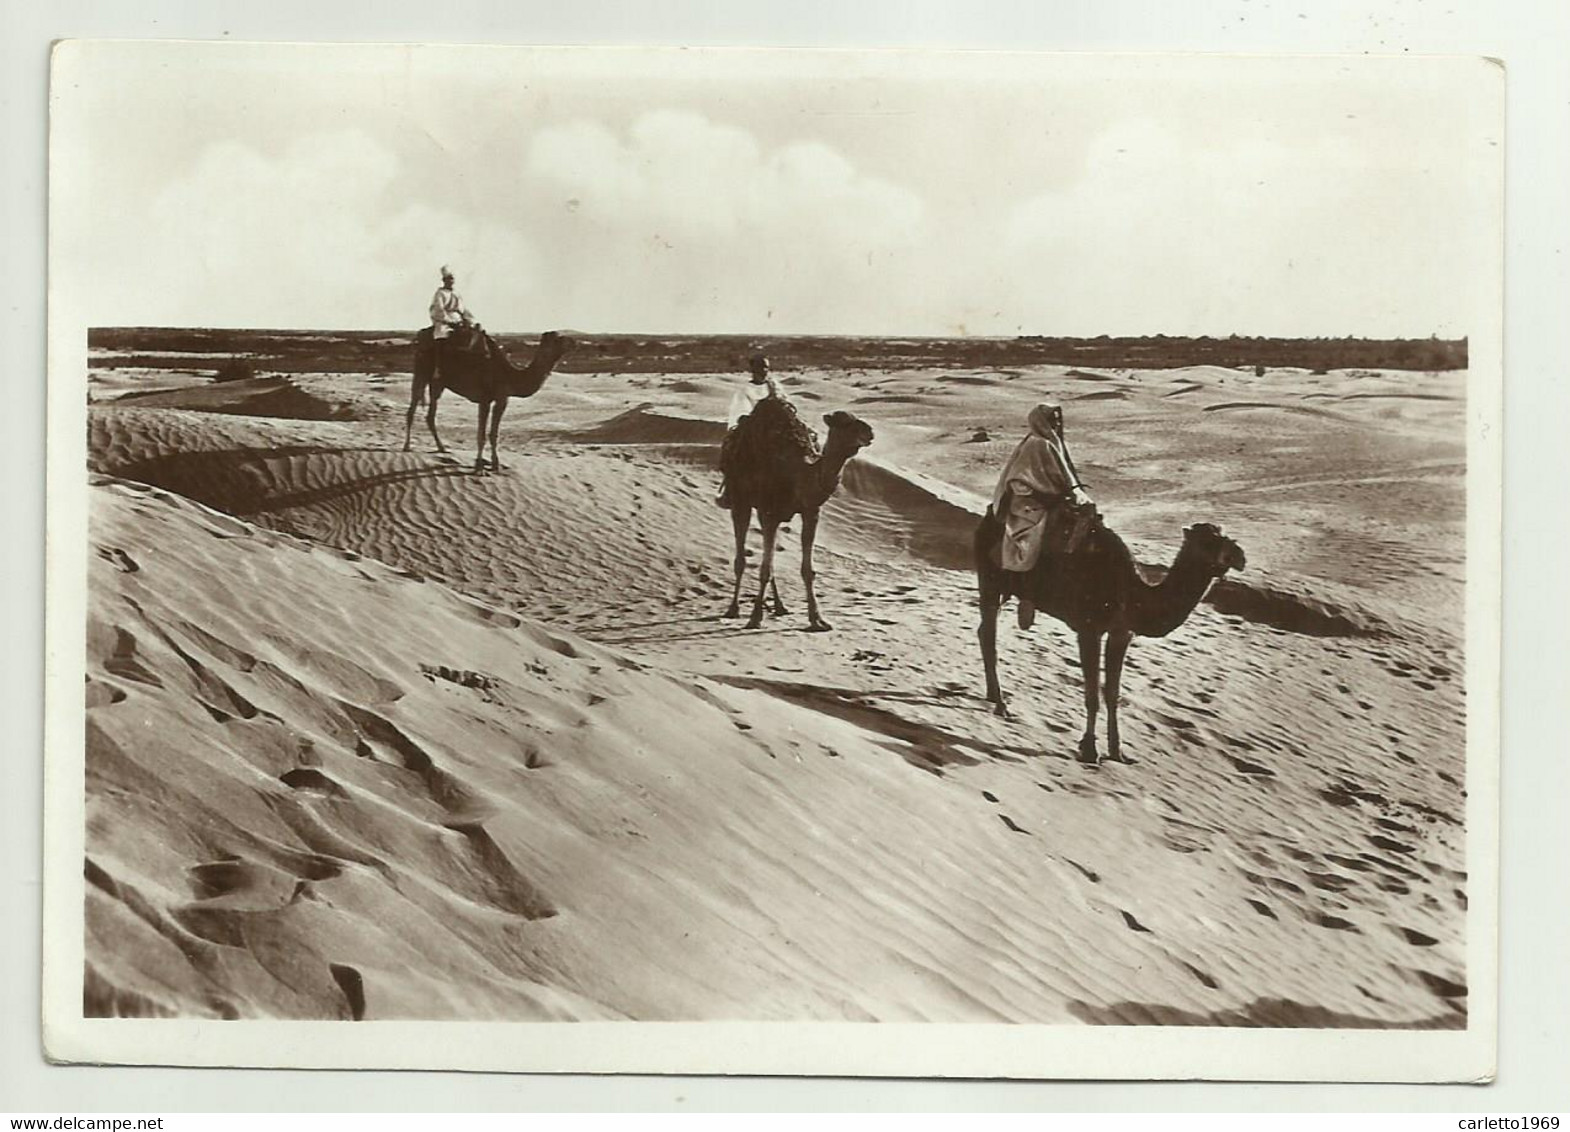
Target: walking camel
x=489 y=379
x=1097 y=591
x=776 y=472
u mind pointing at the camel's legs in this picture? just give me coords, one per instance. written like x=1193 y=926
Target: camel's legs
x=741 y=519
x=1117 y=649
x=479 y=451
x=422 y=381
x=496 y=423
x=809 y=535
x=415 y=392
x=435 y=394
x=987 y=631
x=778 y=608
x=771 y=529
x=1090 y=668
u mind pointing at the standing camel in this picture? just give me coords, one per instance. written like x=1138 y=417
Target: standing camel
x=487 y=379
x=778 y=478
x=1097 y=591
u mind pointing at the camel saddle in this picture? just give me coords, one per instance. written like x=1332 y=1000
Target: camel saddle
x=470 y=340
x=772 y=431
x=1055 y=527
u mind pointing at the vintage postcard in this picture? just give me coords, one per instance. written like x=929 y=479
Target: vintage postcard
x=773 y=562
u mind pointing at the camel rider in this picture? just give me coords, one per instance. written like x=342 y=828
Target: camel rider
x=448 y=314
x=1040 y=499
x=760 y=385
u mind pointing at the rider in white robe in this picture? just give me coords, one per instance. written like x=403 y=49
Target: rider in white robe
x=1038 y=489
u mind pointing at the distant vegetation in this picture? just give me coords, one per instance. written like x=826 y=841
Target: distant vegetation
x=1306 y=353
x=385 y=352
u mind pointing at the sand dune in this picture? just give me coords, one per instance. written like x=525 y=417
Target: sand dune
x=370 y=736
x=248 y=397
x=643 y=425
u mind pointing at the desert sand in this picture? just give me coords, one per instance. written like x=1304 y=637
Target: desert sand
x=370 y=736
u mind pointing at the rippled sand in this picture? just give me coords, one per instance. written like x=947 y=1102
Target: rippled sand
x=369 y=735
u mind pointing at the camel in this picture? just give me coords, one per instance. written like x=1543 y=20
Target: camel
x=783 y=481
x=1098 y=591
x=488 y=380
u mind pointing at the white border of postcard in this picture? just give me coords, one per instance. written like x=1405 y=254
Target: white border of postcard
x=820 y=1049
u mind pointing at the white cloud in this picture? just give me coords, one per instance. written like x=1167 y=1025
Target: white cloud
x=1262 y=235
x=684 y=223
x=318 y=235
x=1209 y=220
x=675 y=223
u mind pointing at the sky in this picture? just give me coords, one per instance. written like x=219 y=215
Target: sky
x=622 y=190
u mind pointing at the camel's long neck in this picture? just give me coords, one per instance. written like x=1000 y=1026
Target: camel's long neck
x=525 y=381
x=1161 y=608
x=826 y=472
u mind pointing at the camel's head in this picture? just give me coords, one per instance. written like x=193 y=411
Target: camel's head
x=1218 y=552
x=555 y=345
x=849 y=429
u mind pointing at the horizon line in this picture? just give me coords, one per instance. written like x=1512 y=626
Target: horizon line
x=777 y=336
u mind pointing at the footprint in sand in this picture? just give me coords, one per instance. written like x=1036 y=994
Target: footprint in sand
x=312 y=781
x=1269 y=882
x=534 y=758
x=464 y=677
x=1089 y=874
x=382 y=741
x=119 y=559
x=352 y=984
x=1205 y=978
x=1393 y=846
x=101 y=693
x=122 y=661
x=1398 y=827
x=1347 y=793
x=1133 y=924
x=221 y=878
x=1443 y=987
x=232 y=877
x=1349 y=863
x=1243 y=766
x=498 y=880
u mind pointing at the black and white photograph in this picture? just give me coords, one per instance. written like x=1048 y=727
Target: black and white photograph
x=906 y=562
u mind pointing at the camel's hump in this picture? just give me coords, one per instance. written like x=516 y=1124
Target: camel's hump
x=772 y=431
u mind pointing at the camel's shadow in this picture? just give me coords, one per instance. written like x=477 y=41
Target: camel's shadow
x=924 y=745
